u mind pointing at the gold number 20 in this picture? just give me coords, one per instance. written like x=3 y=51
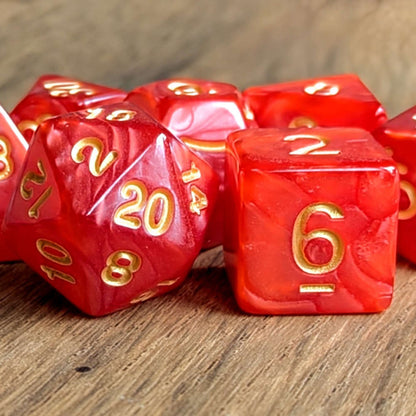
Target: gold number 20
x=300 y=238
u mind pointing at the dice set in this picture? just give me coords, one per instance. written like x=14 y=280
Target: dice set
x=110 y=196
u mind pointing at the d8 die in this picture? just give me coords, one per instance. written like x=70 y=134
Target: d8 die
x=111 y=208
x=12 y=152
x=54 y=95
x=399 y=136
x=341 y=100
x=311 y=221
x=201 y=114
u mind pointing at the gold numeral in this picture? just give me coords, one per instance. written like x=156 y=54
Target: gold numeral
x=302 y=121
x=322 y=88
x=311 y=149
x=27 y=193
x=56 y=254
x=192 y=174
x=410 y=191
x=300 y=238
x=33 y=124
x=66 y=88
x=199 y=200
x=159 y=211
x=117 y=273
x=93 y=113
x=183 y=88
x=214 y=146
x=97 y=164
x=116 y=115
x=5 y=159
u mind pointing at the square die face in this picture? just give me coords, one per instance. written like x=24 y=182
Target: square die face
x=341 y=100
x=317 y=239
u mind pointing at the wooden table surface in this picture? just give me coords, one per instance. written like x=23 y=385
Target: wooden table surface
x=192 y=352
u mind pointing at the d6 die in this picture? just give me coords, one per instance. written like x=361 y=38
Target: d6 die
x=399 y=136
x=341 y=100
x=311 y=221
x=111 y=208
x=53 y=95
x=12 y=152
x=202 y=114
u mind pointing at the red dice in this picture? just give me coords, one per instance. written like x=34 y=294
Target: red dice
x=111 y=207
x=202 y=114
x=398 y=136
x=341 y=100
x=12 y=152
x=311 y=221
x=53 y=95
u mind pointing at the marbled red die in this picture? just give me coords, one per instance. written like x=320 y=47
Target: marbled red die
x=311 y=221
x=54 y=95
x=12 y=152
x=202 y=114
x=341 y=100
x=111 y=207
x=399 y=136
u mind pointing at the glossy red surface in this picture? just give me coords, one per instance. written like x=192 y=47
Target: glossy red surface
x=341 y=100
x=108 y=208
x=12 y=152
x=202 y=114
x=54 y=95
x=399 y=136
x=310 y=230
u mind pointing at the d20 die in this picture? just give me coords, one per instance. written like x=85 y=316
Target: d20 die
x=202 y=114
x=12 y=152
x=311 y=221
x=399 y=136
x=341 y=100
x=111 y=208
x=54 y=95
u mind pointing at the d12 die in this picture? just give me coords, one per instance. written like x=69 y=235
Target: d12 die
x=54 y=95
x=341 y=100
x=12 y=152
x=399 y=136
x=202 y=114
x=312 y=221
x=111 y=208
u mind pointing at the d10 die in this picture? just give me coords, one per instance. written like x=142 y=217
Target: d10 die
x=201 y=114
x=311 y=222
x=399 y=136
x=54 y=95
x=341 y=100
x=12 y=152
x=111 y=208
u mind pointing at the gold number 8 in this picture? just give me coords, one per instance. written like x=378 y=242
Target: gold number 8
x=300 y=238
x=118 y=274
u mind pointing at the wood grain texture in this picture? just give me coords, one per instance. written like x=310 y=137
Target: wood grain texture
x=192 y=351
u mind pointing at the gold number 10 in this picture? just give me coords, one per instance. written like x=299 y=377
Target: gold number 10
x=300 y=238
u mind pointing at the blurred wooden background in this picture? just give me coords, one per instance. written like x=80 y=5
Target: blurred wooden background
x=192 y=352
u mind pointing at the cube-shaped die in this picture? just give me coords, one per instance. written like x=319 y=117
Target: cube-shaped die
x=312 y=221
x=340 y=100
x=202 y=114
x=12 y=152
x=398 y=135
x=111 y=208
x=53 y=95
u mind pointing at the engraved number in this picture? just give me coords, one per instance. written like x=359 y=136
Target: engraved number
x=300 y=238
x=6 y=162
x=183 y=88
x=116 y=115
x=410 y=191
x=322 y=88
x=27 y=193
x=117 y=273
x=57 y=254
x=199 y=200
x=159 y=200
x=311 y=149
x=66 y=88
x=32 y=124
x=97 y=164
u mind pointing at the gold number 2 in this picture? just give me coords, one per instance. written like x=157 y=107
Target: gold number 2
x=311 y=149
x=5 y=159
x=159 y=197
x=97 y=164
x=118 y=274
x=300 y=238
